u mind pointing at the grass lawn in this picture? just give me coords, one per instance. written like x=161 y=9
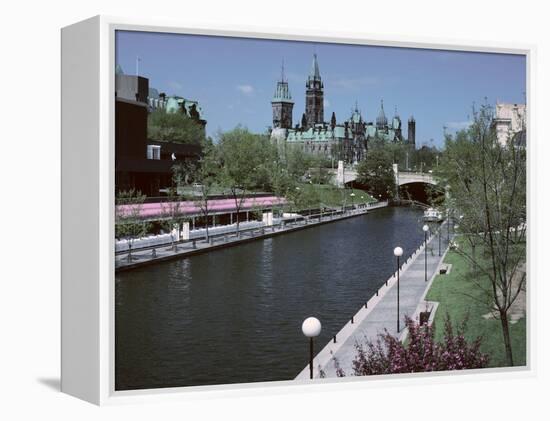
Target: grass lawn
x=334 y=196
x=450 y=291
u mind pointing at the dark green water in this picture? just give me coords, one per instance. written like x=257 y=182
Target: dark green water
x=235 y=315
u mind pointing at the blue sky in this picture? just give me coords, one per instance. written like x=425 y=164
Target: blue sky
x=234 y=78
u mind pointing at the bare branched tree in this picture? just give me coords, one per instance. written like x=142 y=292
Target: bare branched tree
x=486 y=181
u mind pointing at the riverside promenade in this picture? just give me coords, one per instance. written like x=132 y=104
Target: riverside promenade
x=151 y=255
x=380 y=311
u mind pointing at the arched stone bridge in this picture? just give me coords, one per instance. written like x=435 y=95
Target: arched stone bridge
x=348 y=175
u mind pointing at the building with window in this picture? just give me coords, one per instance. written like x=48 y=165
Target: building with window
x=141 y=163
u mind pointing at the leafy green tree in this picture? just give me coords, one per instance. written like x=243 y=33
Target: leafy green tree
x=129 y=223
x=246 y=163
x=306 y=197
x=376 y=173
x=486 y=186
x=319 y=170
x=184 y=172
x=174 y=127
x=425 y=158
x=282 y=183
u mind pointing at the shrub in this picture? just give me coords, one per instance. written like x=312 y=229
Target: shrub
x=388 y=355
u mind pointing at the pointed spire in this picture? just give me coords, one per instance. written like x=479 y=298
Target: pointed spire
x=381 y=120
x=314 y=73
x=283 y=70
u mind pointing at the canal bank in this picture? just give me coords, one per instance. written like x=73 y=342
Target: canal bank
x=379 y=314
x=152 y=255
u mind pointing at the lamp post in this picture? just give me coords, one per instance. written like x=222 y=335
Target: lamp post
x=352 y=195
x=311 y=327
x=425 y=228
x=439 y=239
x=448 y=227
x=398 y=252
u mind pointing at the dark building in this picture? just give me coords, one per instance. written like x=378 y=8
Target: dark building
x=132 y=88
x=140 y=163
x=314 y=97
x=411 y=133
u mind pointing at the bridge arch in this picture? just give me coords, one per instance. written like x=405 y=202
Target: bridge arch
x=412 y=185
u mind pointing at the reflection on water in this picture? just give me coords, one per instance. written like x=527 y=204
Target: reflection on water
x=234 y=315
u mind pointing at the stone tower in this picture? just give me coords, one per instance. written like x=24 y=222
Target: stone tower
x=282 y=104
x=314 y=96
x=411 y=133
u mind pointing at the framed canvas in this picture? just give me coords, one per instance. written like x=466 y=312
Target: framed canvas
x=245 y=209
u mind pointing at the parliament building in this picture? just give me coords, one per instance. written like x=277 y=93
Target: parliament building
x=347 y=141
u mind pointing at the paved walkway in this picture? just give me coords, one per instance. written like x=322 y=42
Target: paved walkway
x=159 y=253
x=381 y=310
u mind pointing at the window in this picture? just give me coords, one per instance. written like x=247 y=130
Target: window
x=153 y=152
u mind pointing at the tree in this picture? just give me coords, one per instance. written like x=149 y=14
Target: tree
x=421 y=353
x=297 y=162
x=172 y=214
x=246 y=161
x=487 y=189
x=282 y=183
x=129 y=223
x=319 y=167
x=425 y=158
x=305 y=197
x=207 y=178
x=376 y=173
x=184 y=172
x=174 y=127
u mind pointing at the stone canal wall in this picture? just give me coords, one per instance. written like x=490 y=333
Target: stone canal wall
x=157 y=254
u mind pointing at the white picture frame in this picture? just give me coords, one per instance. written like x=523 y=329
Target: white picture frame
x=88 y=57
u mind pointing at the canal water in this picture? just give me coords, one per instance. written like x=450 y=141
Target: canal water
x=234 y=315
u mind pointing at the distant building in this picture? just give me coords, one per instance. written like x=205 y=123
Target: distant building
x=510 y=123
x=140 y=163
x=173 y=104
x=347 y=141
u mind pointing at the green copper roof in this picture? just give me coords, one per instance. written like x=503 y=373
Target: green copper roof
x=118 y=70
x=282 y=93
x=174 y=104
x=327 y=133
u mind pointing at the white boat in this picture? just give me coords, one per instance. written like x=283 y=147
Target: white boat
x=432 y=215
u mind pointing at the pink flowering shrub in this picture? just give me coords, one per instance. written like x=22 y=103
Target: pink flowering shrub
x=421 y=353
